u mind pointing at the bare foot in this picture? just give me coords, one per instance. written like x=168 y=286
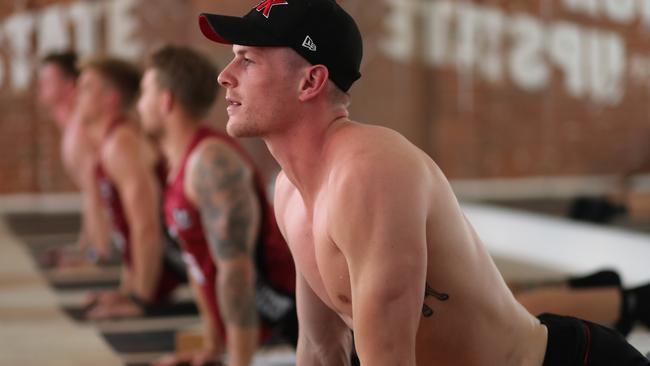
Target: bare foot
x=105 y=297
x=120 y=308
x=64 y=257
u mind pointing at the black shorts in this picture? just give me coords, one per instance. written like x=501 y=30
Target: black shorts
x=573 y=341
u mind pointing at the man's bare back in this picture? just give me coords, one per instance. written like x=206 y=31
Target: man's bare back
x=468 y=316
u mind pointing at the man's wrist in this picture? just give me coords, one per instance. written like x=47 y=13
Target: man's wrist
x=92 y=255
x=146 y=306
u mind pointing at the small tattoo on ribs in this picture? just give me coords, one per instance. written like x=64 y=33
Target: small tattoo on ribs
x=440 y=296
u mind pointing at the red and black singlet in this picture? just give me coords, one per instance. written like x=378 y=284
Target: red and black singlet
x=275 y=270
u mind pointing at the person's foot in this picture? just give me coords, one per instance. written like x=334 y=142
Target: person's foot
x=105 y=297
x=637 y=302
x=604 y=278
x=121 y=307
x=202 y=358
x=63 y=257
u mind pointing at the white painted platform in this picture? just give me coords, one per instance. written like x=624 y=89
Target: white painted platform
x=561 y=245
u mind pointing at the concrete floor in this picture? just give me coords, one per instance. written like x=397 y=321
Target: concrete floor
x=33 y=330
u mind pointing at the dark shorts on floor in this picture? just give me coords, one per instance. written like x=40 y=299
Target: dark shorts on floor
x=572 y=341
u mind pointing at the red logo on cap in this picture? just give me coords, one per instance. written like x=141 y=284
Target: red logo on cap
x=265 y=6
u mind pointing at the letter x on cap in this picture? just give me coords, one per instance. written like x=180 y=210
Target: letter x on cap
x=318 y=30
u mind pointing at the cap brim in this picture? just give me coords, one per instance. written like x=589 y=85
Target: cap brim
x=233 y=30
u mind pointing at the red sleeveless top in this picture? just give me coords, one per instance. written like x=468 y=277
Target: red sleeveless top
x=120 y=232
x=274 y=264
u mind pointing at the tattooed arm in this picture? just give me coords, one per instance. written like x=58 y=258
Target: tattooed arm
x=380 y=227
x=221 y=185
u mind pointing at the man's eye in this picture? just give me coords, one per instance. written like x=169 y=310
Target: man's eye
x=248 y=60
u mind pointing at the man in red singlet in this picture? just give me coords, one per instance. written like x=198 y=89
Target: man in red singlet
x=215 y=204
x=57 y=92
x=130 y=173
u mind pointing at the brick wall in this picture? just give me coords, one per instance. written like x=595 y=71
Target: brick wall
x=488 y=88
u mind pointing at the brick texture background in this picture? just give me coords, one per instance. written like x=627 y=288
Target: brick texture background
x=471 y=127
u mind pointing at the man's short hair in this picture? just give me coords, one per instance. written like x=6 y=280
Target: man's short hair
x=66 y=61
x=189 y=75
x=121 y=75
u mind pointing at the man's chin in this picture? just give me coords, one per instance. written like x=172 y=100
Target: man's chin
x=240 y=130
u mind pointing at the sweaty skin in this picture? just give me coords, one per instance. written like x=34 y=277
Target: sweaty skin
x=386 y=211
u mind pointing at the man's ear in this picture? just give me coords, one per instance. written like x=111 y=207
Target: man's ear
x=166 y=102
x=114 y=98
x=313 y=83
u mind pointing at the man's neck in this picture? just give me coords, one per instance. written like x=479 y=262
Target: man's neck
x=179 y=132
x=99 y=127
x=301 y=153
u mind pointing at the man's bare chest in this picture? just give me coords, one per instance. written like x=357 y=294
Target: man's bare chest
x=317 y=257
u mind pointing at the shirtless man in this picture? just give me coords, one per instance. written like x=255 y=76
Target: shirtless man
x=131 y=174
x=379 y=241
x=57 y=80
x=215 y=205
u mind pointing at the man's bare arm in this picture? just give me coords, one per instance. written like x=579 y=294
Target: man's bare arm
x=223 y=188
x=318 y=345
x=323 y=340
x=95 y=224
x=127 y=165
x=380 y=228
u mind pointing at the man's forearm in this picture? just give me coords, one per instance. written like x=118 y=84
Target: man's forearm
x=323 y=355
x=126 y=281
x=146 y=252
x=305 y=357
x=237 y=302
x=212 y=339
x=399 y=313
x=241 y=344
x=95 y=224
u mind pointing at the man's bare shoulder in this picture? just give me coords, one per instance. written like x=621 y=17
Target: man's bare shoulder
x=375 y=155
x=123 y=143
x=210 y=163
x=214 y=151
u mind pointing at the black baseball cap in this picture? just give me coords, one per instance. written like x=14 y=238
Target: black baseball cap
x=318 y=30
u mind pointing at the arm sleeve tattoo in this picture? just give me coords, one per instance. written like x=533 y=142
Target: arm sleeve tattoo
x=229 y=213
